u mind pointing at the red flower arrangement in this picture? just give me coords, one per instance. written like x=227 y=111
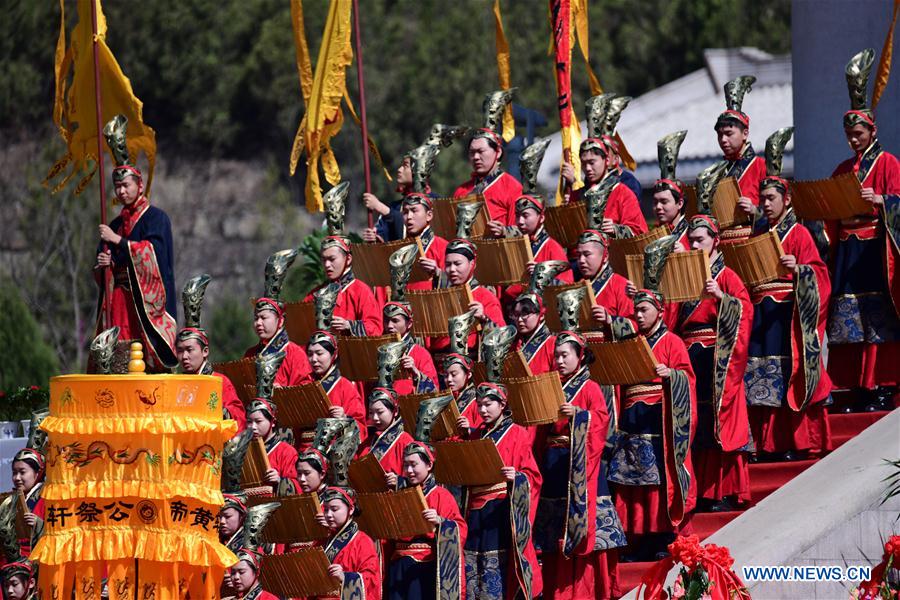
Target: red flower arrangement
x=705 y=575
x=879 y=587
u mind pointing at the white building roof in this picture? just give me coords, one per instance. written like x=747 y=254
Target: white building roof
x=693 y=102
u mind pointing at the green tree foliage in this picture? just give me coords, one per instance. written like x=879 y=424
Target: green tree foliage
x=231 y=329
x=26 y=359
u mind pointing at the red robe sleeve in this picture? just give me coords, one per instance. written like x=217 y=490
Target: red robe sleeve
x=553 y=250
x=516 y=450
x=360 y=304
x=734 y=426
x=360 y=556
x=750 y=178
x=500 y=196
x=283 y=458
x=295 y=369
x=624 y=209
x=492 y=309
x=345 y=394
x=232 y=403
x=590 y=398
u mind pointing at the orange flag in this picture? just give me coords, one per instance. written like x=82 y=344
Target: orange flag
x=884 y=64
x=509 y=124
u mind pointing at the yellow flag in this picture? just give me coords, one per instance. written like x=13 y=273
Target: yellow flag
x=74 y=108
x=884 y=64
x=509 y=124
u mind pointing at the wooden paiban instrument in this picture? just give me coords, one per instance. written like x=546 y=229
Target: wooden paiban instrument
x=432 y=308
x=475 y=462
x=444 y=222
x=301 y=574
x=367 y=475
x=371 y=262
x=23 y=530
x=835 y=198
x=633 y=246
x=300 y=321
x=535 y=400
x=393 y=515
x=724 y=203
x=756 y=260
x=445 y=423
x=359 y=355
x=628 y=362
x=565 y=223
x=301 y=406
x=585 y=319
x=503 y=261
x=241 y=373
x=253 y=471
x=515 y=365
x=683 y=277
x=295 y=520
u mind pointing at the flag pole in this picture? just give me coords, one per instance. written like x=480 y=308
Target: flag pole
x=362 y=107
x=107 y=273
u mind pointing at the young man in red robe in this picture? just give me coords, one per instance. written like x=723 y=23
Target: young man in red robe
x=613 y=307
x=261 y=419
x=533 y=337
x=192 y=350
x=740 y=160
x=786 y=380
x=418 y=211
x=417 y=360
x=356 y=312
x=137 y=246
x=668 y=191
x=650 y=467
x=864 y=326
x=458 y=375
x=322 y=351
x=268 y=322
x=716 y=332
x=500 y=190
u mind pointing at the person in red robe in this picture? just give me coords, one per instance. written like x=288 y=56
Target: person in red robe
x=864 y=325
x=19 y=580
x=28 y=471
x=668 y=191
x=716 y=332
x=740 y=160
x=268 y=323
x=388 y=437
x=230 y=522
x=786 y=380
x=356 y=312
x=416 y=360
x=261 y=419
x=344 y=395
x=650 y=465
x=428 y=567
x=192 y=350
x=418 y=211
x=245 y=579
x=500 y=189
x=459 y=269
x=458 y=376
x=623 y=217
x=353 y=555
x=137 y=245
x=530 y=222
x=613 y=306
x=533 y=337
x=500 y=558
x=576 y=528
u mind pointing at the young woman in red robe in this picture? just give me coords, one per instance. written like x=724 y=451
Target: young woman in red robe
x=500 y=558
x=613 y=307
x=576 y=528
x=268 y=322
x=650 y=467
x=786 y=380
x=533 y=337
x=354 y=559
x=18 y=580
x=28 y=470
x=356 y=312
x=244 y=576
x=458 y=375
x=416 y=360
x=344 y=395
x=716 y=332
x=418 y=211
x=261 y=418
x=500 y=190
x=388 y=438
x=416 y=566
x=864 y=326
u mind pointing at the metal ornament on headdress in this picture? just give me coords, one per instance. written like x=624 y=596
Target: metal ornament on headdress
x=568 y=304
x=429 y=410
x=857 y=72
x=255 y=522
x=530 y=163
x=495 y=346
x=655 y=255
x=595 y=113
x=337 y=439
x=595 y=200
x=775 y=145
x=544 y=273
x=335 y=203
x=444 y=135
x=735 y=91
x=267 y=366
x=616 y=107
x=493 y=106
x=192 y=299
x=37 y=437
x=389 y=357
x=707 y=180
x=421 y=163
x=277 y=266
x=325 y=300
x=667 y=152
x=459 y=327
x=115 y=134
x=401 y=263
x=233 y=455
x=466 y=213
x=103 y=347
